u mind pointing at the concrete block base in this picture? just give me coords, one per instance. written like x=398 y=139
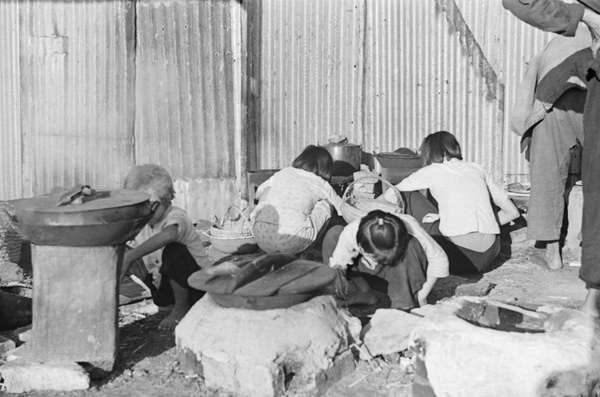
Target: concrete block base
x=300 y=351
x=21 y=376
x=475 y=347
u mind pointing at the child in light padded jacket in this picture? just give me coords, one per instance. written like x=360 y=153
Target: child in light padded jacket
x=169 y=245
x=469 y=227
x=295 y=204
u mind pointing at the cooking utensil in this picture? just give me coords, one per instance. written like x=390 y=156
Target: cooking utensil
x=93 y=235
x=297 y=277
x=346 y=157
x=99 y=207
x=288 y=282
x=249 y=271
x=82 y=217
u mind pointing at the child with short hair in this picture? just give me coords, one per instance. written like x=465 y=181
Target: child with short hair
x=295 y=204
x=469 y=227
x=169 y=245
x=389 y=254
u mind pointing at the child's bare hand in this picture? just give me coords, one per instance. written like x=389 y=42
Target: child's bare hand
x=430 y=218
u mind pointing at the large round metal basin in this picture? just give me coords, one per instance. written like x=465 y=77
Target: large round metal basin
x=102 y=206
x=102 y=218
x=82 y=235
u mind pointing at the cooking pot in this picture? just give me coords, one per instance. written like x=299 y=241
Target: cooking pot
x=82 y=217
x=346 y=157
x=96 y=207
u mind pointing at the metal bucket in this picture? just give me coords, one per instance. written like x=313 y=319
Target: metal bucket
x=346 y=157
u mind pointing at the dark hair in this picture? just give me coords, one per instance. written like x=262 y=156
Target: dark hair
x=315 y=159
x=384 y=236
x=440 y=146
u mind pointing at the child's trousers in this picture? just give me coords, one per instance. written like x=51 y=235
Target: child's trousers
x=177 y=265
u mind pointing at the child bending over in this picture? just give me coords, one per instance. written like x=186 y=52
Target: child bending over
x=169 y=245
x=468 y=228
x=294 y=205
x=389 y=254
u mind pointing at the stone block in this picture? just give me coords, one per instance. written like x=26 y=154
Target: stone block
x=482 y=288
x=10 y=273
x=461 y=358
x=518 y=235
x=388 y=332
x=6 y=345
x=296 y=351
x=22 y=376
x=23 y=334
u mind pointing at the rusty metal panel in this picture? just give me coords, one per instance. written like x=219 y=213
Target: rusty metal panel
x=76 y=93
x=427 y=73
x=184 y=87
x=310 y=75
x=10 y=135
x=386 y=73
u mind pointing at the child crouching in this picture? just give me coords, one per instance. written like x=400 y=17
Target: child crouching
x=169 y=245
x=388 y=254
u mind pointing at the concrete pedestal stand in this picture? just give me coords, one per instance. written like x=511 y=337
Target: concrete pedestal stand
x=75 y=304
x=75 y=318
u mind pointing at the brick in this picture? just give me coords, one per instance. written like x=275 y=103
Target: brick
x=477 y=289
x=389 y=331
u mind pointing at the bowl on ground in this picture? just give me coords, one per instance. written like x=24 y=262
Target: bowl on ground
x=233 y=244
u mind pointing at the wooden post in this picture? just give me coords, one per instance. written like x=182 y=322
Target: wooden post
x=75 y=304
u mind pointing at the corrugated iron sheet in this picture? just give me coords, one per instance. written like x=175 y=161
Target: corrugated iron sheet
x=184 y=89
x=10 y=133
x=83 y=100
x=185 y=102
x=430 y=74
x=386 y=73
x=311 y=75
x=76 y=97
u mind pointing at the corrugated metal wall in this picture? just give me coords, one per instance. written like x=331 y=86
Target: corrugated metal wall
x=92 y=87
x=10 y=132
x=309 y=69
x=429 y=74
x=76 y=93
x=385 y=73
x=185 y=102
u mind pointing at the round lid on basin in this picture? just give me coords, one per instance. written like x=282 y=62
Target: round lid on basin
x=97 y=207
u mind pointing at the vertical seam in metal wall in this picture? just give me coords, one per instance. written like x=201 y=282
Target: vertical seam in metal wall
x=363 y=95
x=134 y=82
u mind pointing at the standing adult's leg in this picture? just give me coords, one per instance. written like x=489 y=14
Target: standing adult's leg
x=590 y=171
x=550 y=157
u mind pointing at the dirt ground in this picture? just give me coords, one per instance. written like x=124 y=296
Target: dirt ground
x=147 y=359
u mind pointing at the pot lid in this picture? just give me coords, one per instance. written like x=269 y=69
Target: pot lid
x=267 y=275
x=96 y=200
x=81 y=206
